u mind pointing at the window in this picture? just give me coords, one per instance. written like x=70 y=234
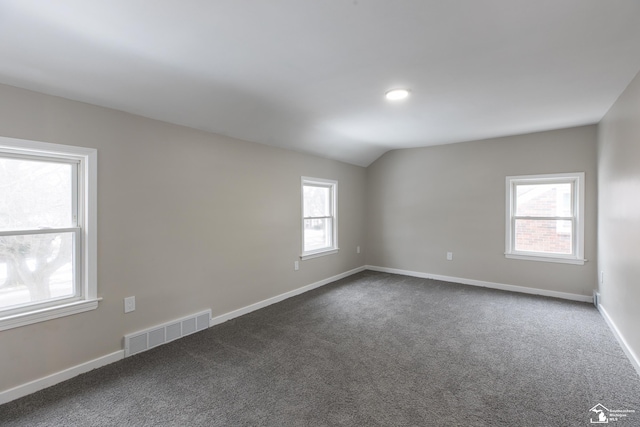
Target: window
x=47 y=231
x=319 y=220
x=545 y=218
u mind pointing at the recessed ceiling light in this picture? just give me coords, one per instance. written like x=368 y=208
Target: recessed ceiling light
x=396 y=94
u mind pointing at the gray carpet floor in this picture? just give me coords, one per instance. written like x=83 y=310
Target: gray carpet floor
x=373 y=349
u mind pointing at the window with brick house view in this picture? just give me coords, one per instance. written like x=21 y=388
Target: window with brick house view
x=544 y=217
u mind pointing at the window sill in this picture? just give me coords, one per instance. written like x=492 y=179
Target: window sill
x=574 y=261
x=311 y=255
x=42 y=315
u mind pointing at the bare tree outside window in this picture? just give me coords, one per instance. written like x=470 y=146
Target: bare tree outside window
x=36 y=199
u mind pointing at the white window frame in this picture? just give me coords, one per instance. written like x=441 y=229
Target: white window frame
x=85 y=231
x=577 y=219
x=333 y=186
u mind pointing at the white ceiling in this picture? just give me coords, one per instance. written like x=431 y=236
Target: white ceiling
x=310 y=75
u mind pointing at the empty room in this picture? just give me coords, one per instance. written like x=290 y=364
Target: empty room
x=319 y=213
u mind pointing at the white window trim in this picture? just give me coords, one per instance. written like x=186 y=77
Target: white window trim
x=88 y=158
x=334 y=198
x=577 y=179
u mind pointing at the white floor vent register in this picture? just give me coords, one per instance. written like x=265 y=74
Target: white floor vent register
x=140 y=341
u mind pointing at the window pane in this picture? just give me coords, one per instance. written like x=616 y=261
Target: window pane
x=317 y=234
x=316 y=201
x=35 y=268
x=548 y=236
x=35 y=194
x=544 y=200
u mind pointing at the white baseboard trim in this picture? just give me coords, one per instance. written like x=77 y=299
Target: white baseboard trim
x=633 y=358
x=58 y=377
x=492 y=285
x=267 y=302
x=39 y=384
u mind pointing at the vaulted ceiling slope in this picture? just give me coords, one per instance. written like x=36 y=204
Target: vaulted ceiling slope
x=310 y=75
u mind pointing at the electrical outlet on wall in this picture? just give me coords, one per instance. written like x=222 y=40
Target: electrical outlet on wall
x=129 y=304
x=296 y=265
x=357 y=249
x=449 y=256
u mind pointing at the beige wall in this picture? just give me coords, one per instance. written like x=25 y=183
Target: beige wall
x=619 y=214
x=187 y=221
x=424 y=202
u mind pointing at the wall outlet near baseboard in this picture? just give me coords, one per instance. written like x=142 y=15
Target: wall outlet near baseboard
x=296 y=265
x=357 y=249
x=449 y=256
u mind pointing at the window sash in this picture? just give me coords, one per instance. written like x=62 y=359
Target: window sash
x=533 y=183
x=76 y=178
x=323 y=236
x=330 y=201
x=76 y=261
x=544 y=253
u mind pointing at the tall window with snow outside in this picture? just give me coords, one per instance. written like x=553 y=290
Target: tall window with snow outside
x=319 y=221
